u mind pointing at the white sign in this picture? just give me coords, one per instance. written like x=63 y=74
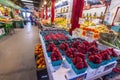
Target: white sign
x=2 y=31
x=81 y=21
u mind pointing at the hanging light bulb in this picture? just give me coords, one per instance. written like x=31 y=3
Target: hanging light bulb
x=45 y=2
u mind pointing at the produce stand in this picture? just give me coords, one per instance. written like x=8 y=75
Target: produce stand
x=65 y=72
x=18 y=23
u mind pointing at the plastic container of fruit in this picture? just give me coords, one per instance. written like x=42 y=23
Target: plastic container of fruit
x=93 y=65
x=56 y=63
x=112 y=59
x=68 y=60
x=77 y=71
x=108 y=61
x=104 y=62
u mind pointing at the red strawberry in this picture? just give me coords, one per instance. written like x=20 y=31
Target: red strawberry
x=114 y=54
x=54 y=59
x=85 y=64
x=78 y=59
x=80 y=55
x=91 y=58
x=80 y=65
x=71 y=56
x=74 y=61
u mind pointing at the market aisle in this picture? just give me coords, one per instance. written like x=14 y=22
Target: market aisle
x=17 y=55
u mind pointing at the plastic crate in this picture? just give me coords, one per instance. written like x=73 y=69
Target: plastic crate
x=42 y=74
x=93 y=65
x=77 y=71
x=56 y=63
x=68 y=60
x=62 y=52
x=49 y=54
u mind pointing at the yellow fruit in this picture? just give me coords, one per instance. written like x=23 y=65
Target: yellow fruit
x=43 y=66
x=39 y=66
x=38 y=61
x=39 y=55
x=36 y=52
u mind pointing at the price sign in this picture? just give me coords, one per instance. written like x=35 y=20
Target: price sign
x=109 y=66
x=89 y=34
x=81 y=21
x=2 y=31
x=81 y=77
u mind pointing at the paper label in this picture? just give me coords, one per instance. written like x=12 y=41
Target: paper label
x=81 y=21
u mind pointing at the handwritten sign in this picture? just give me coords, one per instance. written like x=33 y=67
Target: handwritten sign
x=81 y=77
x=89 y=34
x=81 y=21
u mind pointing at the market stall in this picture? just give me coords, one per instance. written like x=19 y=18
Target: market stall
x=91 y=51
x=65 y=65
x=8 y=17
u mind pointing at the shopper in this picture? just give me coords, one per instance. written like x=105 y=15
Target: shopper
x=31 y=19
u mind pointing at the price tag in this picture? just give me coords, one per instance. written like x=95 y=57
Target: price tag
x=81 y=21
x=0 y=32
x=109 y=66
x=3 y=31
x=81 y=77
x=89 y=34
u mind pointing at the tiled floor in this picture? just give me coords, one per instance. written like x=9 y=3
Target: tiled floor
x=17 y=54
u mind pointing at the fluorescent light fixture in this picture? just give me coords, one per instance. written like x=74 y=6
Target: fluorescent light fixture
x=28 y=4
x=26 y=0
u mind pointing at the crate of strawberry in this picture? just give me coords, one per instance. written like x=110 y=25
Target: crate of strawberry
x=50 y=48
x=69 y=54
x=79 y=64
x=97 y=59
x=55 y=36
x=63 y=47
x=56 y=57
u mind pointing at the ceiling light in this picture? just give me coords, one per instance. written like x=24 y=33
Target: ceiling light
x=28 y=4
x=26 y=0
x=45 y=2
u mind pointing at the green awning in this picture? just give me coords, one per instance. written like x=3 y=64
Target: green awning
x=10 y=4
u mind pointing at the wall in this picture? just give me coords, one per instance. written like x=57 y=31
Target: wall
x=112 y=11
x=95 y=10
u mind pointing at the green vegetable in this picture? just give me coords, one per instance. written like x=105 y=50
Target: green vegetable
x=106 y=43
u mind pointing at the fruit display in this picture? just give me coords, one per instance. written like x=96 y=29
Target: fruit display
x=40 y=61
x=79 y=61
x=70 y=52
x=102 y=57
x=102 y=28
x=4 y=20
x=46 y=23
x=64 y=46
x=76 y=55
x=62 y=23
x=86 y=23
x=110 y=39
x=57 y=36
x=56 y=57
x=50 y=47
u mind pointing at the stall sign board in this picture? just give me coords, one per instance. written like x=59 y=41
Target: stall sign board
x=81 y=77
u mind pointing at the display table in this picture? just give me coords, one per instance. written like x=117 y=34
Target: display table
x=18 y=23
x=65 y=72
